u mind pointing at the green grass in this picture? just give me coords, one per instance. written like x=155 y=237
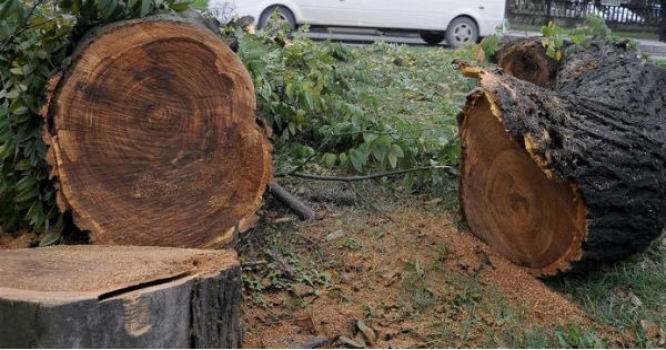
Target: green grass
x=629 y=296
x=633 y=35
x=660 y=63
x=418 y=90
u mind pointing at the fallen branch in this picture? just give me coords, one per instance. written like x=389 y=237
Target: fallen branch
x=305 y=212
x=362 y=178
x=291 y=202
x=312 y=343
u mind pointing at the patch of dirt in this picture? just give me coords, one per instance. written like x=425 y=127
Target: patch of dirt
x=406 y=271
x=18 y=240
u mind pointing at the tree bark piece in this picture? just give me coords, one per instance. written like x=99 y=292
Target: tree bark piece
x=153 y=136
x=303 y=211
x=120 y=297
x=561 y=180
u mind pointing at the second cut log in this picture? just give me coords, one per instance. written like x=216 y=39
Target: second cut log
x=562 y=180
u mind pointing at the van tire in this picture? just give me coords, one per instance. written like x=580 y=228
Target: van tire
x=462 y=31
x=432 y=38
x=286 y=16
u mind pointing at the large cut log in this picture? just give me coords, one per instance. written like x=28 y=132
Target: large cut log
x=153 y=137
x=562 y=180
x=120 y=297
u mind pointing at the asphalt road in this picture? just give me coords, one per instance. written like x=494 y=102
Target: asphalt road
x=367 y=36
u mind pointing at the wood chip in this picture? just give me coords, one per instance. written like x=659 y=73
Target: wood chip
x=367 y=332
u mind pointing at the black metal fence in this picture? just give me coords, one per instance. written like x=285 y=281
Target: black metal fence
x=578 y=9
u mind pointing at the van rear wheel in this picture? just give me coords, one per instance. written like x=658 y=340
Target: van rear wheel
x=432 y=38
x=284 y=17
x=461 y=31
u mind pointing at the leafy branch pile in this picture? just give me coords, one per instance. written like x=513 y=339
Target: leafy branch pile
x=560 y=42
x=580 y=38
x=363 y=110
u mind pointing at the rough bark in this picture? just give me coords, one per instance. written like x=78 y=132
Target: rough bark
x=120 y=297
x=561 y=180
x=153 y=137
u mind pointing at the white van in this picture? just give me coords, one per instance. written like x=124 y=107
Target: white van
x=457 y=21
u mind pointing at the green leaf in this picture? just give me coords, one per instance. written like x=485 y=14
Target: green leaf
x=397 y=150
x=384 y=139
x=107 y=8
x=146 y=5
x=18 y=107
x=25 y=183
x=65 y=4
x=13 y=93
x=379 y=152
x=408 y=181
x=132 y=3
x=309 y=101
x=368 y=137
x=180 y=6
x=35 y=210
x=329 y=159
x=340 y=127
x=76 y=7
x=52 y=237
x=27 y=195
x=343 y=158
x=5 y=9
x=289 y=91
x=393 y=160
x=299 y=118
x=22 y=165
x=278 y=121
x=358 y=159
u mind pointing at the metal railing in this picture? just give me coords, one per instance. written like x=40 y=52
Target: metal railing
x=624 y=14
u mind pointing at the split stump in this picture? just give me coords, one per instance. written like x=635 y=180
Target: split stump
x=120 y=297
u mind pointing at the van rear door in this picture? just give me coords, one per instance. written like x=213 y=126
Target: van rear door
x=329 y=12
x=404 y=14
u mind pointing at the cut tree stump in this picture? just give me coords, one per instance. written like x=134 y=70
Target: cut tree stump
x=120 y=297
x=153 y=137
x=559 y=181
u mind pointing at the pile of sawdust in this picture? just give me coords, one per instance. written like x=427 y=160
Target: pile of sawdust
x=370 y=285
